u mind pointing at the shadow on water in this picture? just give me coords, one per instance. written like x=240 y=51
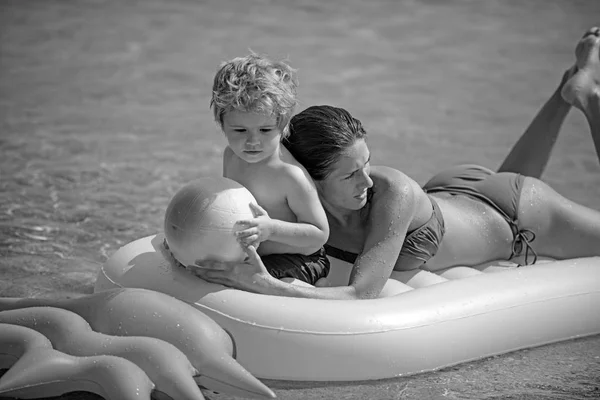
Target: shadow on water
x=104 y=114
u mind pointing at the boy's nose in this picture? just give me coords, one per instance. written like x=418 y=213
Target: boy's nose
x=253 y=140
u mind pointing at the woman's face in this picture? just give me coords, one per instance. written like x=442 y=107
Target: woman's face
x=347 y=184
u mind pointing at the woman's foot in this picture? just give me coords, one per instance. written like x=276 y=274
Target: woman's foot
x=583 y=85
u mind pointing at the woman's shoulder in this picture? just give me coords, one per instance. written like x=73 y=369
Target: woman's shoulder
x=395 y=193
x=389 y=178
x=391 y=184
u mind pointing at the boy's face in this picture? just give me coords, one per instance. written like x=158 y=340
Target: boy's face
x=252 y=137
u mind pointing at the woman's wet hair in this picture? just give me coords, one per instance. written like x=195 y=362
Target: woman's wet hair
x=319 y=135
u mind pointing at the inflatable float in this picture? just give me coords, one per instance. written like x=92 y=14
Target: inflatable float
x=37 y=370
x=471 y=316
x=69 y=333
x=173 y=345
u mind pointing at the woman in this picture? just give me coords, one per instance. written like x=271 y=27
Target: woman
x=387 y=225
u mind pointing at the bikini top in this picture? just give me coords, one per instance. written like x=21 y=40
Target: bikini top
x=419 y=245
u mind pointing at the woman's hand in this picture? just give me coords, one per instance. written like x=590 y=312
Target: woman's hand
x=254 y=231
x=252 y=276
x=249 y=275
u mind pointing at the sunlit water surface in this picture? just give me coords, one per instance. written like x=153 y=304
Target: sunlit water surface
x=104 y=115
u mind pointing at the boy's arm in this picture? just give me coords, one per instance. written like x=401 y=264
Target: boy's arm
x=311 y=230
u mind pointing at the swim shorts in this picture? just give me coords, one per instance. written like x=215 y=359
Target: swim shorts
x=500 y=190
x=305 y=268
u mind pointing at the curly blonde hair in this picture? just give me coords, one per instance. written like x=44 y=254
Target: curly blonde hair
x=255 y=84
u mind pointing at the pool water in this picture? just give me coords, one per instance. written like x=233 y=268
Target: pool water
x=104 y=115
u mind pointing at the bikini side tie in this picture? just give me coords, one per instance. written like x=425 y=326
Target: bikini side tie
x=523 y=238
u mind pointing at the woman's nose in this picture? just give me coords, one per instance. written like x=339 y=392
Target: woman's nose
x=366 y=179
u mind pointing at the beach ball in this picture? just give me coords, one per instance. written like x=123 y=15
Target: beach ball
x=200 y=219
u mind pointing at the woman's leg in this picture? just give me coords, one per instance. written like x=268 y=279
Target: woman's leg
x=563 y=228
x=531 y=153
x=582 y=90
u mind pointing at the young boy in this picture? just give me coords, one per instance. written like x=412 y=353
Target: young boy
x=253 y=100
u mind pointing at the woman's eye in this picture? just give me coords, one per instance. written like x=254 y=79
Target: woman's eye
x=266 y=130
x=239 y=130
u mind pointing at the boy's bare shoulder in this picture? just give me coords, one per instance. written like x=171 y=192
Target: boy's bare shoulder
x=294 y=172
x=228 y=156
x=227 y=153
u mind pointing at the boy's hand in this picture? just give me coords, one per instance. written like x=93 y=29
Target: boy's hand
x=253 y=232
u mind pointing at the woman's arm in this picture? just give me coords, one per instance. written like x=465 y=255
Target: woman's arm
x=252 y=276
x=392 y=208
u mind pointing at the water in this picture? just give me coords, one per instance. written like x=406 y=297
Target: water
x=104 y=115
